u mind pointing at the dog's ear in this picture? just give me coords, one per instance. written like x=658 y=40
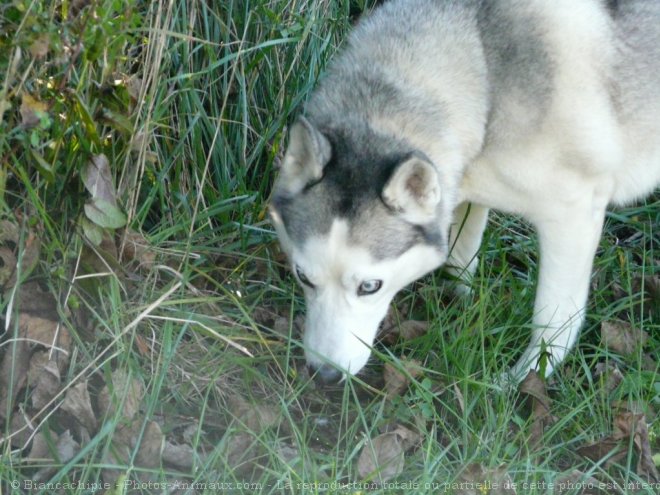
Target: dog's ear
x=308 y=152
x=413 y=190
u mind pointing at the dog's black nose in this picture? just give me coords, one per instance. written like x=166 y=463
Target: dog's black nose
x=324 y=374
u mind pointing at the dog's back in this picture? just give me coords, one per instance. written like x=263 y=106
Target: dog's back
x=494 y=71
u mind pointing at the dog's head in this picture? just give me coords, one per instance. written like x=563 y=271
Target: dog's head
x=357 y=216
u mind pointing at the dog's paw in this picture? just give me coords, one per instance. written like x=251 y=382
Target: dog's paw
x=461 y=289
x=456 y=289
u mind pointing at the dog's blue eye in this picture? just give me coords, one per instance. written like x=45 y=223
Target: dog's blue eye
x=369 y=287
x=303 y=278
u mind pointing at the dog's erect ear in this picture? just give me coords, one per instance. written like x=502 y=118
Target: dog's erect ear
x=413 y=190
x=308 y=152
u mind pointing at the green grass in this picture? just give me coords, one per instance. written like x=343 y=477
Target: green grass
x=194 y=334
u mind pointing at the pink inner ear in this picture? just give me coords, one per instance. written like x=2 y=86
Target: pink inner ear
x=416 y=183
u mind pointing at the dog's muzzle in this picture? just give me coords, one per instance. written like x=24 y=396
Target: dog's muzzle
x=324 y=374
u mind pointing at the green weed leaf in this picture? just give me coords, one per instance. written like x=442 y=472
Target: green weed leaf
x=105 y=214
x=92 y=231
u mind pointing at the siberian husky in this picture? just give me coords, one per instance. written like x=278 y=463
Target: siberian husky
x=436 y=111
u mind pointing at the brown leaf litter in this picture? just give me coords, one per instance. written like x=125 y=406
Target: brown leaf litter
x=44 y=375
x=383 y=457
x=17 y=247
x=629 y=428
x=66 y=447
x=609 y=375
x=22 y=366
x=622 y=337
x=34 y=360
x=123 y=400
x=243 y=450
x=134 y=247
x=78 y=404
x=397 y=377
x=31 y=110
x=393 y=330
x=534 y=387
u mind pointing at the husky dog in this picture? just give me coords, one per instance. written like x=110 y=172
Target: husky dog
x=436 y=111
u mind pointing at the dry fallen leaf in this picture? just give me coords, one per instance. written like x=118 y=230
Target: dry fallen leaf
x=396 y=379
x=31 y=298
x=124 y=400
x=131 y=432
x=44 y=376
x=627 y=426
x=409 y=438
x=180 y=456
x=392 y=330
x=98 y=179
x=15 y=248
x=21 y=429
x=127 y=392
x=135 y=247
x=78 y=403
x=622 y=337
x=652 y=285
x=13 y=373
x=41 y=331
x=609 y=375
x=411 y=329
x=117 y=456
x=603 y=448
x=8 y=263
x=633 y=425
x=242 y=452
x=382 y=458
x=255 y=417
x=31 y=110
x=66 y=448
x=39 y=47
x=151 y=445
x=534 y=387
x=39 y=449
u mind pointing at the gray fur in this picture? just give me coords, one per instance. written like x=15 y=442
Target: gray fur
x=637 y=82
x=519 y=69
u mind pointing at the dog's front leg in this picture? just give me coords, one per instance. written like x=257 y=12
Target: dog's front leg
x=464 y=239
x=568 y=243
